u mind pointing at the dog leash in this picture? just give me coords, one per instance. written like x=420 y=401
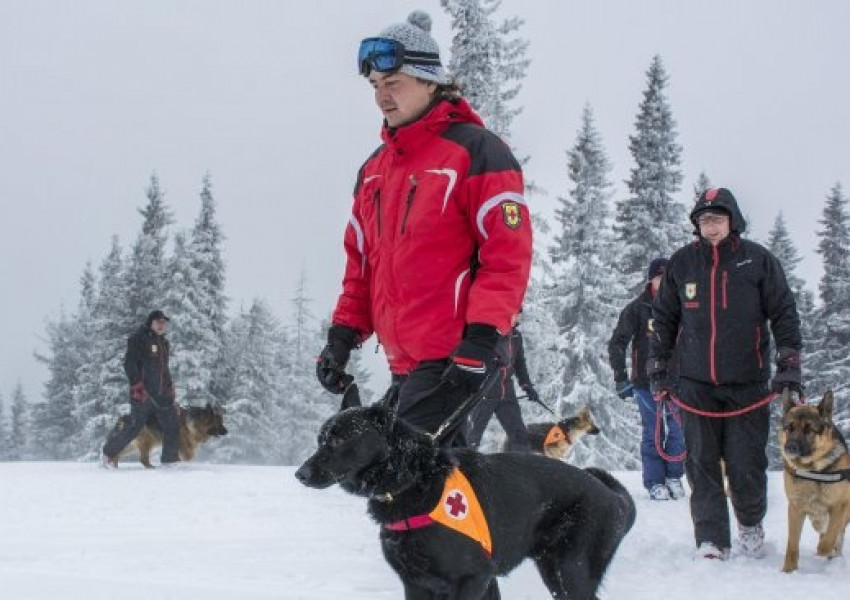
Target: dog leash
x=465 y=407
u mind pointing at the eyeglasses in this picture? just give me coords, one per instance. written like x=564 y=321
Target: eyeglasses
x=385 y=55
x=711 y=219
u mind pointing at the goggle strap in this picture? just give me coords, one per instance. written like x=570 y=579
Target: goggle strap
x=421 y=58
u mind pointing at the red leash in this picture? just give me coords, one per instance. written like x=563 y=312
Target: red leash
x=663 y=398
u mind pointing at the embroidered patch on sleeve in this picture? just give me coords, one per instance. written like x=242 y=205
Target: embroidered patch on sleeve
x=511 y=214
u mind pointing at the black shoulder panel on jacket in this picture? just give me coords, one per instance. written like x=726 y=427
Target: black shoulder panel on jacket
x=363 y=166
x=487 y=151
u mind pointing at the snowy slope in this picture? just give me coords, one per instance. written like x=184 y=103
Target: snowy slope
x=213 y=532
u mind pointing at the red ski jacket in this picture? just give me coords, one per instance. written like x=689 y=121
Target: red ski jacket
x=439 y=237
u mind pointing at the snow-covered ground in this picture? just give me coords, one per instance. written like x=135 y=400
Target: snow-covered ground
x=214 y=532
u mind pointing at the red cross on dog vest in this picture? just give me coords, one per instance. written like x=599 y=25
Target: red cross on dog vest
x=457 y=509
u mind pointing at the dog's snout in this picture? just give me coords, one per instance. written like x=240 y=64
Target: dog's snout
x=304 y=473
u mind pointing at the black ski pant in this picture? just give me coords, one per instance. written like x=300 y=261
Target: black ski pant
x=741 y=443
x=507 y=411
x=425 y=401
x=165 y=412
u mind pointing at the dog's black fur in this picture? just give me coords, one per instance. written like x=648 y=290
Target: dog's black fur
x=568 y=520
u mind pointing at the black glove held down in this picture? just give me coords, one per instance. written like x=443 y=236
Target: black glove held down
x=789 y=373
x=330 y=366
x=474 y=358
x=659 y=381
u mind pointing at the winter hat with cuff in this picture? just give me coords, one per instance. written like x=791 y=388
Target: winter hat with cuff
x=415 y=35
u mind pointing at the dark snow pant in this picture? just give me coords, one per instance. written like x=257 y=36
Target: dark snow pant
x=509 y=415
x=140 y=412
x=740 y=442
x=656 y=470
x=425 y=401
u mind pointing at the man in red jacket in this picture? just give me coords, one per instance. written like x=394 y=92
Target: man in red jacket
x=438 y=245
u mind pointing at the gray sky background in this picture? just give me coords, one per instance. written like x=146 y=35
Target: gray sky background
x=96 y=95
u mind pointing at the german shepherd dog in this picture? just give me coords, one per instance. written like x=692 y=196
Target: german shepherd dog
x=817 y=477
x=568 y=520
x=197 y=425
x=557 y=440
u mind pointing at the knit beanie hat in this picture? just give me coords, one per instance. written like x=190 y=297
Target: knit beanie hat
x=415 y=35
x=656 y=267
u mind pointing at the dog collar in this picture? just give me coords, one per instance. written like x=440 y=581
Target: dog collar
x=457 y=509
x=555 y=435
x=822 y=476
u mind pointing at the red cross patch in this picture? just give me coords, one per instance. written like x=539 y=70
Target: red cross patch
x=456 y=505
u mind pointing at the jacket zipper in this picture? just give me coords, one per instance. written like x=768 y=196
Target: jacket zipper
x=410 y=194
x=712 y=311
x=376 y=201
x=758 y=345
x=725 y=280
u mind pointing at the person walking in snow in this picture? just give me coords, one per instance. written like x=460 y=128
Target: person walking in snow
x=661 y=477
x=438 y=246
x=502 y=399
x=151 y=391
x=720 y=299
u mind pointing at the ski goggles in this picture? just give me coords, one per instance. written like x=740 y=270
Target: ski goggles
x=385 y=55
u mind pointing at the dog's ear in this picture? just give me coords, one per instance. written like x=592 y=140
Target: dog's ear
x=787 y=402
x=826 y=406
x=381 y=417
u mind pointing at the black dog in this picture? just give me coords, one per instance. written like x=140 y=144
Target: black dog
x=568 y=520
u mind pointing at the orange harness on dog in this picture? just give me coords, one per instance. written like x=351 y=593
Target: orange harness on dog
x=457 y=509
x=555 y=435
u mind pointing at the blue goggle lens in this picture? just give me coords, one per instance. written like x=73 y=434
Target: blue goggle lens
x=379 y=54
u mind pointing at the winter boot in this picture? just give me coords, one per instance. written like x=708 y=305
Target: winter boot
x=751 y=540
x=659 y=492
x=711 y=551
x=676 y=489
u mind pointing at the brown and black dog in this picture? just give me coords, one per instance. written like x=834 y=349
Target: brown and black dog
x=197 y=425
x=817 y=477
x=557 y=440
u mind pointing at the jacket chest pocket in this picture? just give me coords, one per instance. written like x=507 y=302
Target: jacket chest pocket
x=426 y=200
x=371 y=209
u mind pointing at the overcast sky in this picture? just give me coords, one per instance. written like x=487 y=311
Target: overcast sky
x=97 y=95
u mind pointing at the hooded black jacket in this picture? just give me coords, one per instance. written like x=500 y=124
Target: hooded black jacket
x=147 y=360
x=633 y=327
x=719 y=301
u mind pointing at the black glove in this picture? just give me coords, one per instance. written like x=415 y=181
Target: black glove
x=659 y=382
x=788 y=372
x=330 y=366
x=532 y=394
x=474 y=358
x=625 y=389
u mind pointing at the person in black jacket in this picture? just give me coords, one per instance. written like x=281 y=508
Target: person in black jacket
x=502 y=400
x=662 y=478
x=151 y=391
x=722 y=297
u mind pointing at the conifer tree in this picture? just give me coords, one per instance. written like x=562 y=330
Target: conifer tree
x=488 y=59
x=19 y=425
x=830 y=361
x=584 y=298
x=145 y=274
x=703 y=183
x=54 y=423
x=651 y=222
x=4 y=431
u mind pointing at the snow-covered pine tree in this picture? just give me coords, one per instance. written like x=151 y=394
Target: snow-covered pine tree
x=703 y=183
x=781 y=245
x=54 y=425
x=4 y=431
x=488 y=59
x=20 y=425
x=253 y=418
x=650 y=222
x=584 y=300
x=194 y=344
x=206 y=255
x=89 y=405
x=146 y=270
x=830 y=360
